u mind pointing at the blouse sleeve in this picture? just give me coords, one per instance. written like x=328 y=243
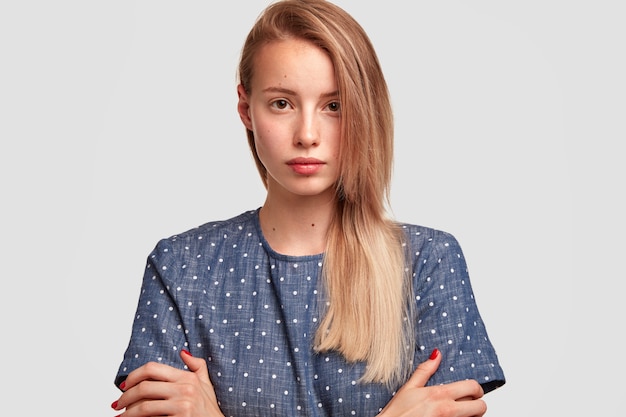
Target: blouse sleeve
x=448 y=318
x=157 y=332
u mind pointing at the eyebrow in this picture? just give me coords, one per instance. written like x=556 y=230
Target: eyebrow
x=293 y=93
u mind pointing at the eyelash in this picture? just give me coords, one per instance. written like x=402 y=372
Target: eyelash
x=335 y=103
x=284 y=103
x=281 y=104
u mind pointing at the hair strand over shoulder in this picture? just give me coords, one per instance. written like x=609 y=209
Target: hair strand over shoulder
x=369 y=315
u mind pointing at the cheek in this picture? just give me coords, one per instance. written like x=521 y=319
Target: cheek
x=264 y=145
x=264 y=127
x=261 y=132
x=269 y=134
x=334 y=136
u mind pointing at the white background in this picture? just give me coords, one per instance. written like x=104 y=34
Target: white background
x=118 y=127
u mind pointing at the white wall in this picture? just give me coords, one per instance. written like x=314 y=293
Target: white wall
x=118 y=127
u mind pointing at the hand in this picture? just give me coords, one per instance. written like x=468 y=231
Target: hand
x=157 y=390
x=457 y=399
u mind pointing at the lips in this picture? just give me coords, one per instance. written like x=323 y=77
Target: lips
x=304 y=161
x=305 y=166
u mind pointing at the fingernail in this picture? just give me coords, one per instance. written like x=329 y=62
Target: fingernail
x=434 y=354
x=186 y=352
x=114 y=405
x=123 y=385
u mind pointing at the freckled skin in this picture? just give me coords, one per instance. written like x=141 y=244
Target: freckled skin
x=290 y=109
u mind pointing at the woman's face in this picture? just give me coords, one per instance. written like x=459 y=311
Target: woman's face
x=293 y=110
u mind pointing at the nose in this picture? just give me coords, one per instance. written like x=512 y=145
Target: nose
x=307 y=131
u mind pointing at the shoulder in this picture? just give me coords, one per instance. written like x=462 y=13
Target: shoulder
x=210 y=234
x=213 y=229
x=189 y=251
x=432 y=251
x=428 y=239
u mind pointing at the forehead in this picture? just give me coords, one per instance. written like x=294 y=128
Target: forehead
x=293 y=61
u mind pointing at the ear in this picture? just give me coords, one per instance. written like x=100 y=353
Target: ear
x=243 y=107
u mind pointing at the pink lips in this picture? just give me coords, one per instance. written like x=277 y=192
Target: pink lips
x=305 y=166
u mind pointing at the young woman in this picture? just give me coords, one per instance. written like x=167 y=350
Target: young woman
x=318 y=303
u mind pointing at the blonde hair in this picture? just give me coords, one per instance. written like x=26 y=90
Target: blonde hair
x=369 y=315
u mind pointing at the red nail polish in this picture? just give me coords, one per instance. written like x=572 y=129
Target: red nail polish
x=123 y=385
x=434 y=354
x=114 y=405
x=186 y=352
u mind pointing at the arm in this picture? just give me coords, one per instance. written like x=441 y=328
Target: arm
x=448 y=317
x=456 y=399
x=155 y=376
x=158 y=330
x=155 y=389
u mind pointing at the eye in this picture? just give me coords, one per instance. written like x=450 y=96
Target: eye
x=280 y=104
x=334 y=106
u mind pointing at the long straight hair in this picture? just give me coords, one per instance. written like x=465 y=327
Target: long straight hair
x=368 y=316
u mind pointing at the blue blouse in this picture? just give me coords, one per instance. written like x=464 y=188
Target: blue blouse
x=222 y=293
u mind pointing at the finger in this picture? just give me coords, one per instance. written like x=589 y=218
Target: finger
x=144 y=391
x=196 y=365
x=474 y=408
x=467 y=390
x=151 y=371
x=151 y=408
x=425 y=370
x=461 y=391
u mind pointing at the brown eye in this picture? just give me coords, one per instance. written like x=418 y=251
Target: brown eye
x=334 y=106
x=280 y=104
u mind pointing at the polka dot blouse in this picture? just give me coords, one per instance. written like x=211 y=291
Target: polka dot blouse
x=222 y=293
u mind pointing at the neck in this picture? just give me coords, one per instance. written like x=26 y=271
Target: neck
x=297 y=227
